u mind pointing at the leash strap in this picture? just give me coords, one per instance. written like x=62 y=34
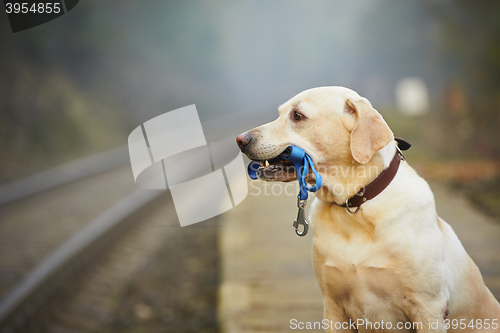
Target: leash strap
x=252 y=170
x=302 y=163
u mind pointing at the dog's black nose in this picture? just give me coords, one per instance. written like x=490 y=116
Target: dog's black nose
x=243 y=140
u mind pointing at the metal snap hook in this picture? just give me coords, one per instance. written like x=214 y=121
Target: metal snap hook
x=304 y=232
x=301 y=219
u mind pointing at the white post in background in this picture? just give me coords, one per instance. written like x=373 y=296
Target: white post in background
x=412 y=96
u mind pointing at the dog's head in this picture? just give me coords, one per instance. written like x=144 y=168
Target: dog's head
x=334 y=125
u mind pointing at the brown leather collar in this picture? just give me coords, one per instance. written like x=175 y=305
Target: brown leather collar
x=379 y=184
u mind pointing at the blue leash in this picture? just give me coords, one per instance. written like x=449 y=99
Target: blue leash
x=302 y=163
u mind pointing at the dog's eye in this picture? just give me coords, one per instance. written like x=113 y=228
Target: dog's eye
x=297 y=116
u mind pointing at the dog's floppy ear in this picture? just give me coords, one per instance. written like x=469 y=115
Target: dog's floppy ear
x=370 y=133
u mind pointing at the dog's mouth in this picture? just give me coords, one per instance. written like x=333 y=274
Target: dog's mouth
x=277 y=168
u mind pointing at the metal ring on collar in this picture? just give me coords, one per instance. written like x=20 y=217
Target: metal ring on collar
x=347 y=207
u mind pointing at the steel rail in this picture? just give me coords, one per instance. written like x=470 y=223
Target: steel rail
x=17 y=306
x=23 y=300
x=63 y=174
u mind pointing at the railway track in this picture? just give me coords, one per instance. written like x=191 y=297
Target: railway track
x=94 y=253
x=56 y=225
x=46 y=237
x=155 y=277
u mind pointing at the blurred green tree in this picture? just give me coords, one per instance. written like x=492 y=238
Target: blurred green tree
x=470 y=45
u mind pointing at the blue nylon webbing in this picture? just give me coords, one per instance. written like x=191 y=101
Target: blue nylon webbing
x=302 y=163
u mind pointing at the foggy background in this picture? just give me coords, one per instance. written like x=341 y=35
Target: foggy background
x=78 y=84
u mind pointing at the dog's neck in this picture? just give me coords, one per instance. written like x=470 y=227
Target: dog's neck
x=344 y=180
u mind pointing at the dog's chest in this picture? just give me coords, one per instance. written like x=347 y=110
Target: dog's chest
x=367 y=290
x=361 y=274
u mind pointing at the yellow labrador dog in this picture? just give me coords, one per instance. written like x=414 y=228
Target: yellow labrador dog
x=389 y=263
